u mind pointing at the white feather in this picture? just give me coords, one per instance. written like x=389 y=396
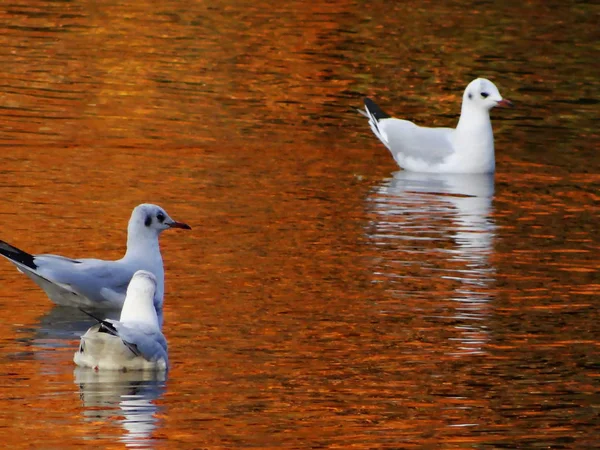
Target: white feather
x=135 y=341
x=95 y=283
x=468 y=148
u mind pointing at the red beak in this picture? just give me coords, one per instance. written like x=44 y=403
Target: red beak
x=504 y=103
x=183 y=226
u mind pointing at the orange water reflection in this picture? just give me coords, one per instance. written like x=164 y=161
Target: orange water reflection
x=304 y=310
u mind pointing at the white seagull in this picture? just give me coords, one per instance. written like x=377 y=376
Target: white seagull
x=96 y=283
x=468 y=148
x=134 y=342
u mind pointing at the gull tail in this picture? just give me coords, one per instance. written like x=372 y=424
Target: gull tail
x=59 y=293
x=17 y=256
x=105 y=326
x=374 y=113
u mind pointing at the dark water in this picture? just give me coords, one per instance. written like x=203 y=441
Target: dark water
x=324 y=299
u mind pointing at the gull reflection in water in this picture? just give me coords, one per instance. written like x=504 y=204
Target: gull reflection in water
x=440 y=224
x=66 y=323
x=127 y=398
x=57 y=335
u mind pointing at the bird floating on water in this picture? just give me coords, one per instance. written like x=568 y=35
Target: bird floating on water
x=96 y=283
x=468 y=148
x=135 y=341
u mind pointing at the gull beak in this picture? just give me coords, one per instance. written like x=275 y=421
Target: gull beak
x=504 y=103
x=183 y=226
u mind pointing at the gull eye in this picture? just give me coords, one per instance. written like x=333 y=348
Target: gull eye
x=161 y=217
x=485 y=95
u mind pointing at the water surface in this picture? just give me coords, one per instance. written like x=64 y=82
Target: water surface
x=323 y=299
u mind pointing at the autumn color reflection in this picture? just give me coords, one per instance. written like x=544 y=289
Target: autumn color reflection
x=319 y=301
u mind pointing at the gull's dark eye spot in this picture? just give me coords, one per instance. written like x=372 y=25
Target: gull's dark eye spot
x=161 y=217
x=470 y=96
x=148 y=221
x=485 y=95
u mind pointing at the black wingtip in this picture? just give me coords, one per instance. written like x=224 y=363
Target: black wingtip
x=15 y=254
x=105 y=326
x=91 y=315
x=375 y=110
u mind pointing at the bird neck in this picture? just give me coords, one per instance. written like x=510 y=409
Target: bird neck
x=138 y=308
x=142 y=243
x=474 y=139
x=473 y=119
x=143 y=252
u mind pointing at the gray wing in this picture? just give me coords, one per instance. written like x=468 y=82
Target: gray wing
x=97 y=280
x=406 y=139
x=149 y=342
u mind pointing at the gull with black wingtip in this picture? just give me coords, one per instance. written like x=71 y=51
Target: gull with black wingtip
x=95 y=283
x=135 y=341
x=468 y=148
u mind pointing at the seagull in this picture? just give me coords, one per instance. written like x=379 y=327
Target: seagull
x=96 y=283
x=468 y=148
x=135 y=341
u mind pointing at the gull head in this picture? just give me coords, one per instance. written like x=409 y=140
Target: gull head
x=483 y=94
x=139 y=301
x=148 y=217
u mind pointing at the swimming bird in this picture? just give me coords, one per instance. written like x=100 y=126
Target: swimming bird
x=96 y=283
x=135 y=341
x=468 y=148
